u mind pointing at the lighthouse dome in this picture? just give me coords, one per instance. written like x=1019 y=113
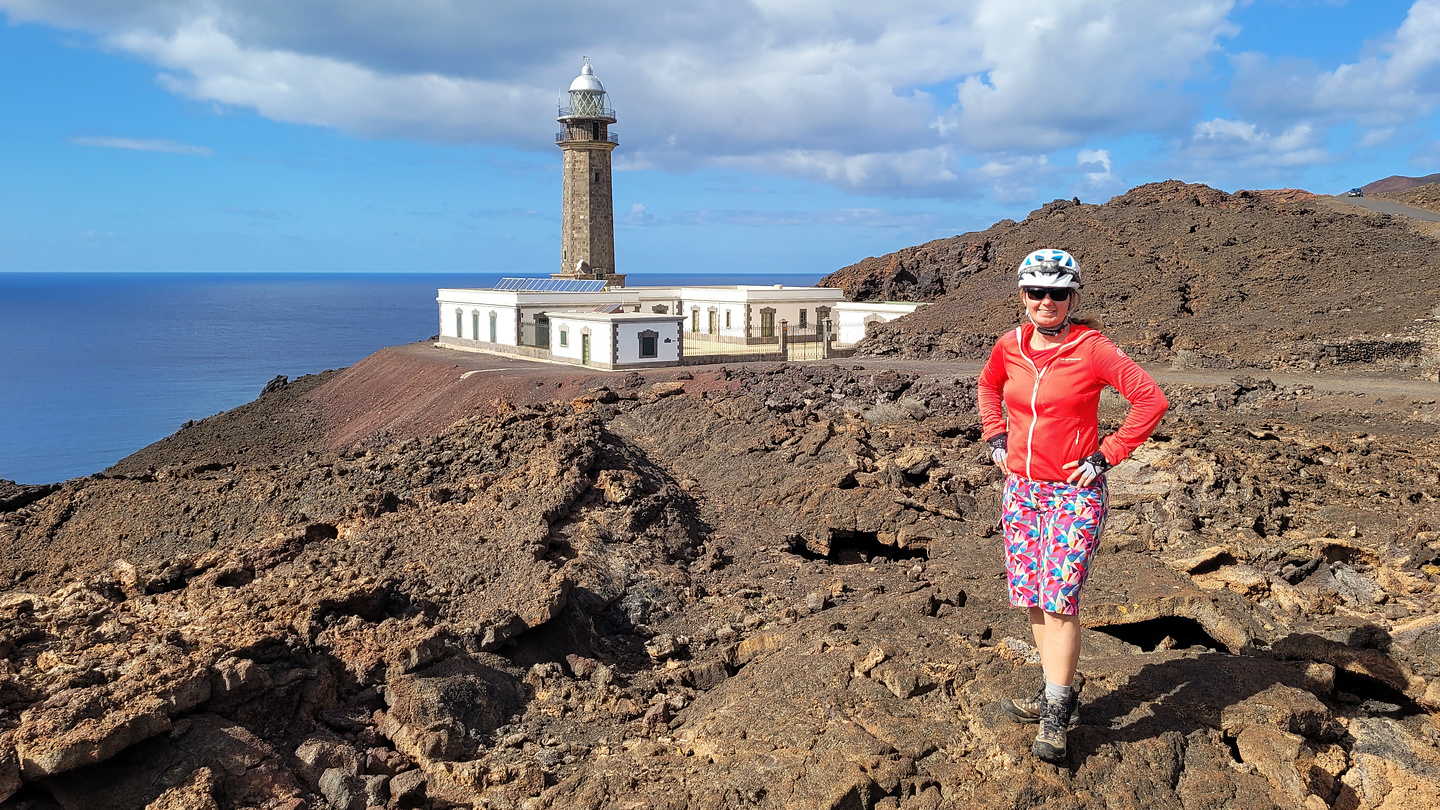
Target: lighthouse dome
x=587 y=81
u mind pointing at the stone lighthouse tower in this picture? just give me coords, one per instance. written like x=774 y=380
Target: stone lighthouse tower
x=587 y=217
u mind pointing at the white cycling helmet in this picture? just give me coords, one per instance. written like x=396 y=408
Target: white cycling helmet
x=1049 y=267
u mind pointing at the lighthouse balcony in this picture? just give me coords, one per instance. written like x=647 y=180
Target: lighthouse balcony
x=588 y=111
x=573 y=136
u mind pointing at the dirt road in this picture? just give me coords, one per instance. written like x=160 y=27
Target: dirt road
x=1388 y=207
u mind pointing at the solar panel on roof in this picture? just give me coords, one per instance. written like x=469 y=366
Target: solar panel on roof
x=584 y=285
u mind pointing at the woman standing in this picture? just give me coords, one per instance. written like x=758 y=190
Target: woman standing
x=1048 y=376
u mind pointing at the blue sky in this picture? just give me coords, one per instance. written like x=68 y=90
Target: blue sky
x=796 y=137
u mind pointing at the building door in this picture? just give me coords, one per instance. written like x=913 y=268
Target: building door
x=585 y=350
x=767 y=323
x=493 y=335
x=542 y=331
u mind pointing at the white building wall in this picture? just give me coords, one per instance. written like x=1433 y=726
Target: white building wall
x=572 y=330
x=505 y=324
x=472 y=302
x=735 y=308
x=788 y=311
x=629 y=346
x=852 y=316
x=602 y=343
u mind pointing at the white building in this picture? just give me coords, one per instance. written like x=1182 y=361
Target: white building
x=525 y=316
x=616 y=340
x=851 y=317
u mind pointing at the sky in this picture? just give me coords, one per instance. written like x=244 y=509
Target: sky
x=766 y=136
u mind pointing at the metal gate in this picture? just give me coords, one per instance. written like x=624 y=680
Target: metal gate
x=811 y=342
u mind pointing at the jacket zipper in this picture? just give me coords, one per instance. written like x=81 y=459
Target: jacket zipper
x=1034 y=417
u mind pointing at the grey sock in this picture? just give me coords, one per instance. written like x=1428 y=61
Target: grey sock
x=1055 y=693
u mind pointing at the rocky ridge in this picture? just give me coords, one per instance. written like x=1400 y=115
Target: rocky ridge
x=1398 y=182
x=1182 y=274
x=1426 y=197
x=767 y=586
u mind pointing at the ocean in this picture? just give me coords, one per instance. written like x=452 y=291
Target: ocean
x=94 y=366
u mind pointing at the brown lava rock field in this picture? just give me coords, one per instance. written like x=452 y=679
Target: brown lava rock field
x=432 y=580
x=1184 y=275
x=775 y=586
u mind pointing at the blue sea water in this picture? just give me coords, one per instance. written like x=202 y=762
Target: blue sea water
x=94 y=366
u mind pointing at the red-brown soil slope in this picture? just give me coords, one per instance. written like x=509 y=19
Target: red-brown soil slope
x=1426 y=196
x=1177 y=272
x=1396 y=182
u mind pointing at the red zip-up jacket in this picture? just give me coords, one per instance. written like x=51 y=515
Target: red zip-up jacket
x=1053 y=401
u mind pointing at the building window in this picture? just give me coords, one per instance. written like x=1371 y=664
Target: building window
x=597 y=177
x=802 y=316
x=459 y=323
x=493 y=333
x=564 y=336
x=695 y=320
x=595 y=134
x=474 y=324
x=648 y=347
x=727 y=319
x=710 y=321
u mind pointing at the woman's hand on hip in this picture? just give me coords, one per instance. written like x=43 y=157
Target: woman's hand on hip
x=1087 y=469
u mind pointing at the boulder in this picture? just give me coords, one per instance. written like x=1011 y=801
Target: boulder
x=438 y=713
x=1294 y=711
x=196 y=793
x=407 y=789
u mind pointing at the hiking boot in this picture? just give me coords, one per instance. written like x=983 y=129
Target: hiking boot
x=1050 y=742
x=1028 y=710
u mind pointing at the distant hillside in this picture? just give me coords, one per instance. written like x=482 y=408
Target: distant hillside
x=1426 y=196
x=1177 y=272
x=1396 y=183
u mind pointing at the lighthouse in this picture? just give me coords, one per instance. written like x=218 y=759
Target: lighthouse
x=587 y=216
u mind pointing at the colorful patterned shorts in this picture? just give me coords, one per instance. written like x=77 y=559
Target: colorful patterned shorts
x=1050 y=532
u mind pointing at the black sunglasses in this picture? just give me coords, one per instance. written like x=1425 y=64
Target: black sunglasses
x=1056 y=294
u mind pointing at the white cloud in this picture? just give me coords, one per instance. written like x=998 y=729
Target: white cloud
x=1227 y=145
x=1396 y=82
x=945 y=98
x=638 y=217
x=145 y=145
x=1056 y=71
x=862 y=218
x=918 y=171
x=878 y=98
x=1098 y=168
x=1375 y=137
